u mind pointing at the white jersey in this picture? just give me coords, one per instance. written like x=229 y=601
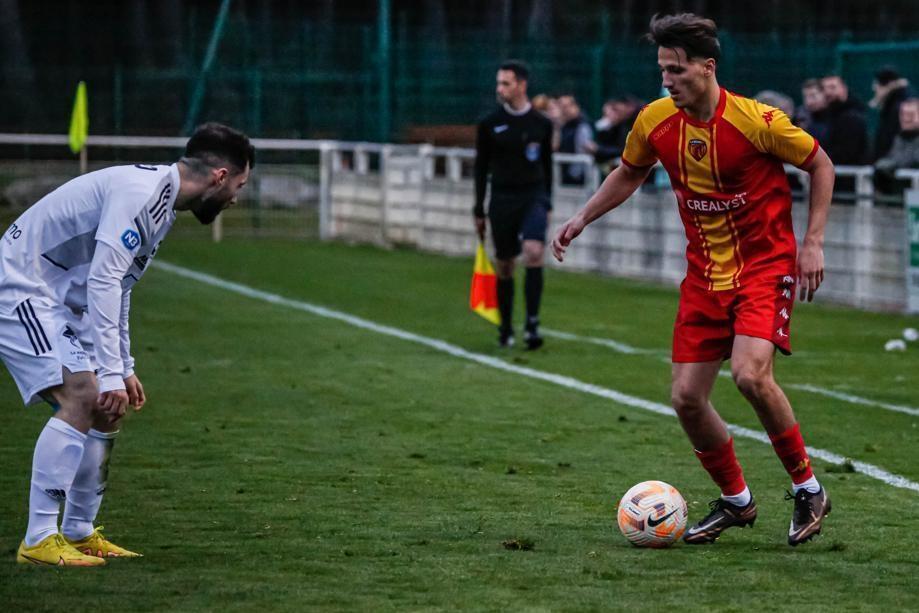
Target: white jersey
x=85 y=245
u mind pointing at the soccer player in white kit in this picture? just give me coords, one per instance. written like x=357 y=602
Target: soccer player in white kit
x=67 y=266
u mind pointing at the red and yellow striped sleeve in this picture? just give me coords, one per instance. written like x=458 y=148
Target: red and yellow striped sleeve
x=771 y=131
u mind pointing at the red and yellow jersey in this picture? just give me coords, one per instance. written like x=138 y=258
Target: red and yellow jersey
x=729 y=182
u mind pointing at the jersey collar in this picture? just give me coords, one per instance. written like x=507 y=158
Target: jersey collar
x=510 y=111
x=176 y=184
x=719 y=111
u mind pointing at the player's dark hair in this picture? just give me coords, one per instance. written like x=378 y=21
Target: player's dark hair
x=695 y=35
x=518 y=67
x=214 y=144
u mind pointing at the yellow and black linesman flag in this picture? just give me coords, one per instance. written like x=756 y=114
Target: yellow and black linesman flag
x=483 y=296
x=79 y=120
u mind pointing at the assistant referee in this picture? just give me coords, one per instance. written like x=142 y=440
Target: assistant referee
x=514 y=148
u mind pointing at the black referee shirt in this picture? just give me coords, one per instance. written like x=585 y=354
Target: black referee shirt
x=516 y=150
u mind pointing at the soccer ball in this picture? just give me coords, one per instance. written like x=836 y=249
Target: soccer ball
x=652 y=514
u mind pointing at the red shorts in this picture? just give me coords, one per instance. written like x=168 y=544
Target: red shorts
x=707 y=321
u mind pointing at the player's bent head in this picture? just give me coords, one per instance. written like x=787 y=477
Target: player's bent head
x=221 y=158
x=695 y=35
x=215 y=145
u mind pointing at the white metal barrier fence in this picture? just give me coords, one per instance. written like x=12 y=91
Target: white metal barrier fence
x=422 y=196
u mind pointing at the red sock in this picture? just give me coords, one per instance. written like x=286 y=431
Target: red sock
x=789 y=446
x=722 y=465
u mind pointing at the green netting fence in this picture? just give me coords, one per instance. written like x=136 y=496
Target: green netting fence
x=300 y=80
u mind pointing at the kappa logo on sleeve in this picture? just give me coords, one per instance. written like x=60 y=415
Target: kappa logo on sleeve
x=130 y=239
x=768 y=117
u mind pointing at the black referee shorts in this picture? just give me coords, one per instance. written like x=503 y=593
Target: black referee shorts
x=516 y=216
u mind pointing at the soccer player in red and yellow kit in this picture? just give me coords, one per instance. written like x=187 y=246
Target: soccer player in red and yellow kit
x=724 y=155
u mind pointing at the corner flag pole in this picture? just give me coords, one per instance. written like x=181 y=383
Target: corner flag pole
x=79 y=125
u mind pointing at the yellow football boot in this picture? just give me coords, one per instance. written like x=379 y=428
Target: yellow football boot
x=97 y=545
x=54 y=551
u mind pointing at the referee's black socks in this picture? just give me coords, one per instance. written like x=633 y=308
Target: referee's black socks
x=506 y=302
x=532 y=287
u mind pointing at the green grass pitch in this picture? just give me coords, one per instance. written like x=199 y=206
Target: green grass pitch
x=287 y=461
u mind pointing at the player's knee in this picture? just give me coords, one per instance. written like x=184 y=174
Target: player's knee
x=686 y=400
x=751 y=380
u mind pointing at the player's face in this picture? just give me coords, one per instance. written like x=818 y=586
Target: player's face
x=220 y=195
x=508 y=87
x=686 y=80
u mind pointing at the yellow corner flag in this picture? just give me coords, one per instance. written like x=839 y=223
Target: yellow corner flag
x=483 y=296
x=79 y=120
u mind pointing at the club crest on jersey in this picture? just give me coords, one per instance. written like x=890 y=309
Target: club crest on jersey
x=130 y=239
x=697 y=149
x=532 y=151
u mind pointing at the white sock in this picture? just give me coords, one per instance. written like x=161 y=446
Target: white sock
x=811 y=485
x=85 y=495
x=58 y=451
x=739 y=500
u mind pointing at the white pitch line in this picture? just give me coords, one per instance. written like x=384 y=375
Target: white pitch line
x=804 y=387
x=604 y=342
x=869 y=470
x=854 y=399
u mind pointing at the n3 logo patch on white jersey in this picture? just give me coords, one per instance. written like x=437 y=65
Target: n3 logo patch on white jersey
x=130 y=239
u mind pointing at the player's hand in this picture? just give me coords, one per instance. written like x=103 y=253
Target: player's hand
x=567 y=233
x=810 y=270
x=135 y=390
x=114 y=403
x=480 y=227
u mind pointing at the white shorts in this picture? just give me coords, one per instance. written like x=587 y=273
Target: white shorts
x=38 y=340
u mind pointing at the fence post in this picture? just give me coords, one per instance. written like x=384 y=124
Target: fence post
x=361 y=160
x=425 y=153
x=454 y=166
x=325 y=190
x=217 y=229
x=384 y=33
x=385 y=154
x=864 y=187
x=911 y=198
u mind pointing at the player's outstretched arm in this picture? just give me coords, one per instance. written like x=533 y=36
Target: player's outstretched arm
x=810 y=258
x=619 y=185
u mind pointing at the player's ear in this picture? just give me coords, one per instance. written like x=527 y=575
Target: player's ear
x=220 y=175
x=709 y=67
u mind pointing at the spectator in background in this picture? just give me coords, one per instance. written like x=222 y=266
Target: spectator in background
x=889 y=92
x=576 y=136
x=812 y=114
x=904 y=152
x=847 y=138
x=549 y=107
x=778 y=100
x=611 y=130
